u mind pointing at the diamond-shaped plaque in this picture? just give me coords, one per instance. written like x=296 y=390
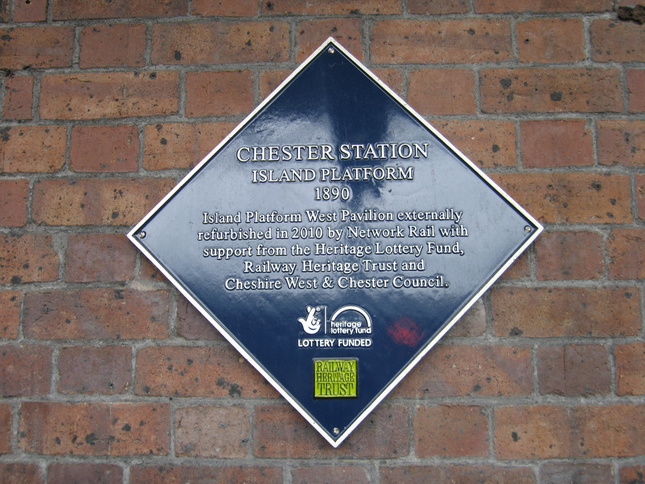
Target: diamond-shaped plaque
x=333 y=238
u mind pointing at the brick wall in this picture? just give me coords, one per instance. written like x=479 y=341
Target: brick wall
x=107 y=373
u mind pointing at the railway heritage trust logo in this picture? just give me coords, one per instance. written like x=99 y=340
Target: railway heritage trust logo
x=349 y=326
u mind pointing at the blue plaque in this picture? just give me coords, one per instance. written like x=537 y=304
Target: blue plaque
x=333 y=238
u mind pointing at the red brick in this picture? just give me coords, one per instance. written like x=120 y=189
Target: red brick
x=543 y=90
x=466 y=370
x=26 y=149
x=538 y=6
x=106 y=369
x=609 y=430
x=331 y=7
x=96 y=314
x=94 y=428
x=626 y=250
x=219 y=93
x=18 y=473
x=220 y=42
x=92 y=201
x=570 y=255
x=77 y=473
x=109 y=95
x=621 y=143
x=18 y=97
x=6 y=430
x=392 y=78
x=441 y=41
x=630 y=369
x=442 y=91
x=224 y=8
x=112 y=45
x=5 y=13
x=636 y=90
x=451 y=430
x=434 y=7
x=556 y=143
x=192 y=325
x=210 y=371
x=13 y=202
x=566 y=311
x=30 y=11
x=632 y=474
x=556 y=473
x=36 y=47
x=212 y=431
x=99 y=257
x=640 y=195
x=571 y=197
x=614 y=41
x=461 y=474
x=270 y=80
x=520 y=269
x=27 y=258
x=312 y=33
x=488 y=143
x=281 y=432
x=473 y=323
x=322 y=474
x=551 y=40
x=574 y=370
x=104 y=149
x=25 y=370
x=181 y=145
x=81 y=9
x=10 y=302
x=176 y=474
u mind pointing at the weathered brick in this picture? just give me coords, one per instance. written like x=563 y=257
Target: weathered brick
x=210 y=371
x=107 y=201
x=192 y=325
x=630 y=369
x=330 y=473
x=636 y=90
x=556 y=312
x=6 y=430
x=25 y=370
x=30 y=11
x=331 y=7
x=18 y=98
x=434 y=7
x=10 y=302
x=219 y=93
x=574 y=370
x=94 y=428
x=556 y=143
x=640 y=195
x=551 y=40
x=608 y=430
x=392 y=78
x=520 y=269
x=473 y=323
x=559 y=472
x=181 y=145
x=488 y=143
x=81 y=9
x=621 y=142
x=36 y=47
x=451 y=430
x=270 y=80
x=99 y=257
x=104 y=149
x=98 y=473
x=112 y=45
x=626 y=250
x=420 y=474
x=212 y=431
x=571 y=197
x=25 y=149
x=96 y=314
x=441 y=41
x=19 y=473
x=539 y=432
x=176 y=474
x=614 y=41
x=106 y=369
x=542 y=90
x=466 y=370
x=109 y=95
x=5 y=13
x=442 y=91
x=632 y=474
x=539 y=6
x=312 y=33
x=224 y=8
x=569 y=255
x=281 y=432
x=27 y=258
x=220 y=42
x=13 y=202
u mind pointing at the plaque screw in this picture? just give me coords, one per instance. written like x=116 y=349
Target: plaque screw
x=331 y=51
x=527 y=229
x=142 y=235
x=336 y=430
